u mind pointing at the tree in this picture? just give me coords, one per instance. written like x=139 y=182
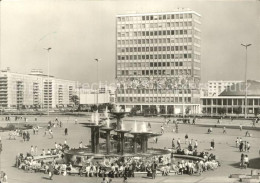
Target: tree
x=75 y=99
x=238 y=110
x=134 y=110
x=93 y=108
x=110 y=106
x=170 y=109
x=153 y=109
x=187 y=110
x=162 y=109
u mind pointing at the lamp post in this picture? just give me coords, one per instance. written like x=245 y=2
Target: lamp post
x=48 y=87
x=97 y=60
x=246 y=45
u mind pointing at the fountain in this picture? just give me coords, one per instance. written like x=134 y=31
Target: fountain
x=107 y=129
x=94 y=126
x=138 y=140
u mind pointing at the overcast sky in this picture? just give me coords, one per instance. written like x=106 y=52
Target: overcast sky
x=79 y=31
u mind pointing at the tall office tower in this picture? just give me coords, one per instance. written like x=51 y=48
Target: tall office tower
x=158 y=61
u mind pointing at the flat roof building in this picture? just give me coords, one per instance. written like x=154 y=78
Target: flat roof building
x=31 y=90
x=232 y=100
x=158 y=61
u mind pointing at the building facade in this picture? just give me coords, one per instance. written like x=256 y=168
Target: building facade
x=34 y=90
x=232 y=100
x=216 y=87
x=158 y=61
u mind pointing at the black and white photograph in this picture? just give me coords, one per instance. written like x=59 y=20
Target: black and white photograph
x=129 y=91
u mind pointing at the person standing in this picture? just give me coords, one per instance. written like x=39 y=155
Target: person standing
x=32 y=150
x=173 y=143
x=162 y=130
x=154 y=167
x=81 y=145
x=240 y=127
x=179 y=143
x=224 y=130
x=237 y=142
x=186 y=138
x=196 y=144
x=51 y=171
x=76 y=121
x=36 y=150
x=66 y=131
x=212 y=144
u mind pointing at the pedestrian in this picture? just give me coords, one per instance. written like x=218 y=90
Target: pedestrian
x=224 y=130
x=248 y=147
x=212 y=144
x=51 y=171
x=149 y=125
x=24 y=136
x=240 y=127
x=173 y=143
x=28 y=136
x=80 y=145
x=241 y=146
x=177 y=128
x=154 y=167
x=196 y=144
x=162 y=130
x=237 y=142
x=66 y=131
x=36 y=150
x=76 y=121
x=186 y=138
x=156 y=139
x=32 y=150
x=194 y=121
x=51 y=133
x=179 y=143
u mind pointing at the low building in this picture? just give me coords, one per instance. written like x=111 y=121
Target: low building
x=232 y=100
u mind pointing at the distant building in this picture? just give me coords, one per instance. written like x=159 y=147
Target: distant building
x=105 y=95
x=34 y=90
x=156 y=55
x=216 y=87
x=232 y=99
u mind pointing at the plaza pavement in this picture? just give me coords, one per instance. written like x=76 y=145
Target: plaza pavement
x=226 y=152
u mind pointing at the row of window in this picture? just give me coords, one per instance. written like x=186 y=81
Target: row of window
x=154 y=33
x=155 y=48
x=159 y=56
x=155 y=99
x=154 y=25
x=151 y=64
x=155 y=41
x=153 y=91
x=155 y=17
x=229 y=101
x=156 y=64
x=154 y=72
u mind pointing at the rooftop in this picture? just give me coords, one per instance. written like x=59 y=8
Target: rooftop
x=239 y=89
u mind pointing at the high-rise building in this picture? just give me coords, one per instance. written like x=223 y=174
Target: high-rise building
x=216 y=87
x=34 y=90
x=158 y=61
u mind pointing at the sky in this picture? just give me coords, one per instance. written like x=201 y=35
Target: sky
x=79 y=31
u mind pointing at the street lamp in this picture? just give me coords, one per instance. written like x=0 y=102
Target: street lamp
x=97 y=60
x=48 y=90
x=246 y=45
